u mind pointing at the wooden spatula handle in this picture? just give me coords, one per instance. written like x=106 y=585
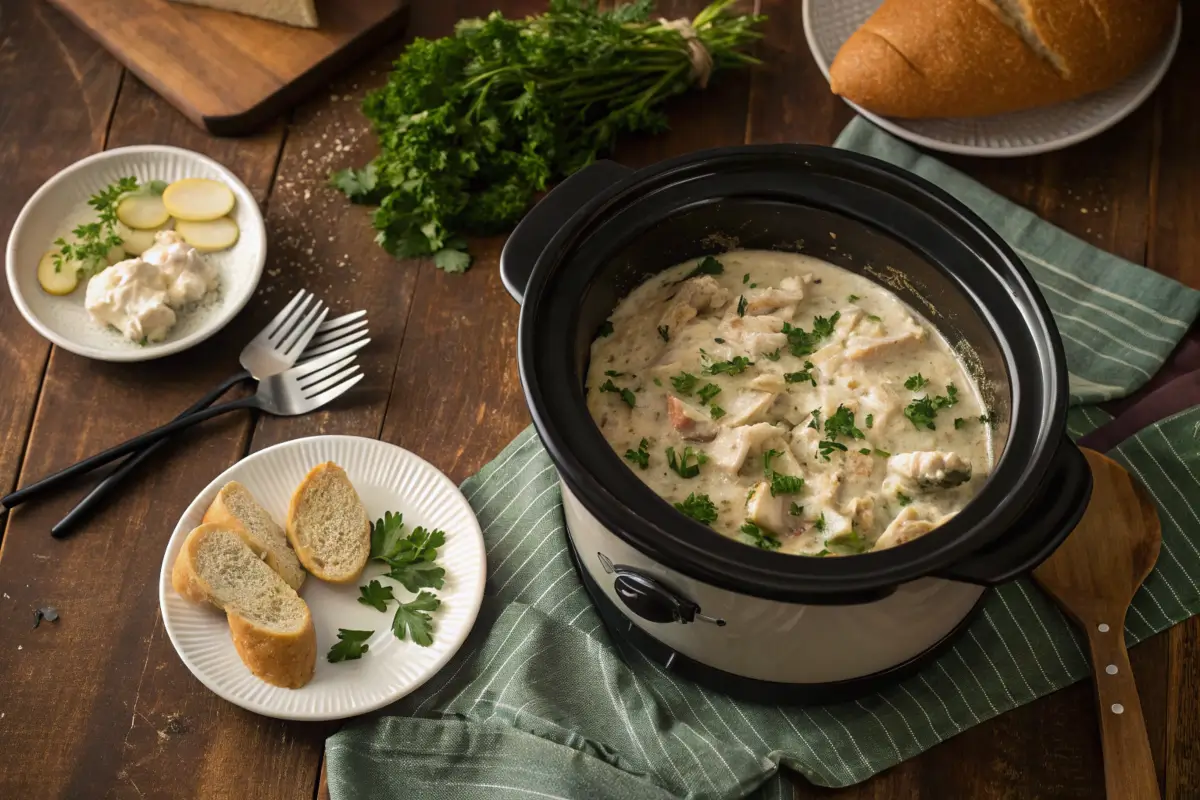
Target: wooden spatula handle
x=1128 y=764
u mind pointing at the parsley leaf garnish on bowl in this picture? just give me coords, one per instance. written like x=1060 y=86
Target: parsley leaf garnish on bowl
x=414 y=617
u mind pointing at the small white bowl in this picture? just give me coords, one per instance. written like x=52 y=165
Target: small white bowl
x=829 y=23
x=61 y=204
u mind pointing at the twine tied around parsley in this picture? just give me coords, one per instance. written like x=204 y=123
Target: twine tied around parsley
x=702 y=62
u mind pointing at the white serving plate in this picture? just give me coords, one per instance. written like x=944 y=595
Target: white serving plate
x=388 y=478
x=61 y=203
x=829 y=23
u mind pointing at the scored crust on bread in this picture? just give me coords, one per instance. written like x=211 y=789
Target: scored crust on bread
x=963 y=58
x=270 y=624
x=328 y=525
x=236 y=507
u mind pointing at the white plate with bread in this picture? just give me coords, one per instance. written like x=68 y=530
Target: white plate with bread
x=265 y=568
x=993 y=77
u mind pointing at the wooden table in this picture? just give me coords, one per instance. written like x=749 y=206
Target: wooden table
x=99 y=705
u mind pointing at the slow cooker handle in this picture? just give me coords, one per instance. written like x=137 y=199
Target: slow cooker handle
x=544 y=220
x=1038 y=533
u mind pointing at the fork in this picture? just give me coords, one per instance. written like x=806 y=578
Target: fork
x=273 y=350
x=301 y=389
x=330 y=335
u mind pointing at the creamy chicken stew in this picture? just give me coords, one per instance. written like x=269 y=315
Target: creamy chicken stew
x=789 y=404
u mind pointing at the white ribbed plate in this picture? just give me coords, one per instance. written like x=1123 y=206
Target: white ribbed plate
x=388 y=478
x=829 y=23
x=61 y=204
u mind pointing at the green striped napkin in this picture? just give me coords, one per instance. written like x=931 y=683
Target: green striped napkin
x=541 y=703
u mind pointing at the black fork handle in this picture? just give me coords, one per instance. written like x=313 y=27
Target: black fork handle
x=125 y=448
x=83 y=510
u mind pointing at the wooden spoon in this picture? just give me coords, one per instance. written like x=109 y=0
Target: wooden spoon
x=1093 y=575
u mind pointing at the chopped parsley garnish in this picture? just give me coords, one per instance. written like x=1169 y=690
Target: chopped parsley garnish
x=826 y=447
x=746 y=278
x=870 y=421
x=959 y=423
x=853 y=298
x=719 y=340
x=707 y=266
x=664 y=332
x=804 y=375
x=657 y=382
x=767 y=456
x=916 y=382
x=773 y=355
x=795 y=509
x=882 y=453
x=376 y=595
x=350 y=645
x=641 y=456
x=866 y=451
x=785 y=484
x=760 y=539
x=684 y=383
x=741 y=306
x=708 y=392
x=699 y=508
x=681 y=466
x=920 y=412
x=820 y=523
x=802 y=343
x=841 y=423
x=824 y=552
x=626 y=395
x=736 y=366
x=612 y=373
x=605 y=330
x=754 y=286
x=717 y=412
x=874 y=318
x=988 y=418
x=848 y=543
x=815 y=422
x=903 y=498
x=414 y=618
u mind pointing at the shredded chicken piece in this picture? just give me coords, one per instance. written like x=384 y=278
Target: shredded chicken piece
x=767 y=512
x=930 y=469
x=765 y=301
x=695 y=295
x=768 y=382
x=756 y=335
x=729 y=450
x=861 y=347
x=747 y=407
x=908 y=525
x=690 y=421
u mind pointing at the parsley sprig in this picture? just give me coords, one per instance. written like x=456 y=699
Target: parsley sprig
x=680 y=465
x=921 y=412
x=699 y=507
x=350 y=645
x=625 y=394
x=641 y=456
x=411 y=557
x=802 y=343
x=93 y=240
x=472 y=126
x=759 y=538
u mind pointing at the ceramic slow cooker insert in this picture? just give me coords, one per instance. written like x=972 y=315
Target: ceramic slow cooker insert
x=745 y=620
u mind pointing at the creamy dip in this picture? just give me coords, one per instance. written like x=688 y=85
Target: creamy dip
x=140 y=296
x=790 y=404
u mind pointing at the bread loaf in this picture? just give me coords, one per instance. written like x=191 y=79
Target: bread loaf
x=270 y=624
x=328 y=525
x=965 y=58
x=235 y=507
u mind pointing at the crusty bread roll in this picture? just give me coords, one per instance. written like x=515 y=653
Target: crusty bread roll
x=966 y=58
x=271 y=625
x=235 y=507
x=328 y=525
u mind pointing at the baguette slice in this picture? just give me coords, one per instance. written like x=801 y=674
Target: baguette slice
x=235 y=507
x=328 y=525
x=966 y=58
x=271 y=625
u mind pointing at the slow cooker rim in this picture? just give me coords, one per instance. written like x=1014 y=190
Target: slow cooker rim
x=695 y=549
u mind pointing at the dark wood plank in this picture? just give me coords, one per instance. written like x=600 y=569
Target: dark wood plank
x=1174 y=250
x=227 y=72
x=37 y=139
x=127 y=718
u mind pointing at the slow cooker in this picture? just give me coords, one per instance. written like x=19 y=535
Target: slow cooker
x=745 y=621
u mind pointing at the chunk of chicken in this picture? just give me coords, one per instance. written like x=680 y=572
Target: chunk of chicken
x=930 y=469
x=909 y=524
x=861 y=511
x=729 y=450
x=695 y=295
x=838 y=527
x=690 y=421
x=782 y=298
x=756 y=335
x=767 y=512
x=881 y=403
x=865 y=347
x=747 y=407
x=768 y=382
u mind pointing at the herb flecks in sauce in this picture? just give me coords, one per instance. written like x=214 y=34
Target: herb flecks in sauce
x=641 y=456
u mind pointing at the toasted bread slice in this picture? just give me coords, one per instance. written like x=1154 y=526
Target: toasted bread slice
x=271 y=625
x=328 y=525
x=235 y=507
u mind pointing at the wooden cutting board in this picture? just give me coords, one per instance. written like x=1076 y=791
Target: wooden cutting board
x=229 y=73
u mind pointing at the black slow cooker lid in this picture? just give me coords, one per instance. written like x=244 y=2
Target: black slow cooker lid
x=772 y=195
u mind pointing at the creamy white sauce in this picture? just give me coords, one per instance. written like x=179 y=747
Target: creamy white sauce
x=140 y=296
x=893 y=482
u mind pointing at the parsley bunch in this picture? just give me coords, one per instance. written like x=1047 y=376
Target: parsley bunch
x=472 y=126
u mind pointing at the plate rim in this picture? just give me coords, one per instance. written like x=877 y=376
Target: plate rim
x=897 y=129
x=474 y=595
x=219 y=321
